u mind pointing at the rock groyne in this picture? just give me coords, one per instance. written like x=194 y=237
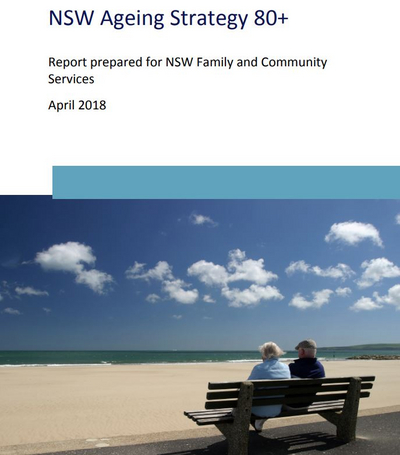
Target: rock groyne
x=374 y=357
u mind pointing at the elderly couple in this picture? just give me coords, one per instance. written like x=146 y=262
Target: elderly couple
x=306 y=366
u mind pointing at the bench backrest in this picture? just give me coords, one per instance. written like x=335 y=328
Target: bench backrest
x=285 y=391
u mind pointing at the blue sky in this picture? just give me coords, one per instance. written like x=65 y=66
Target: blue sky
x=197 y=274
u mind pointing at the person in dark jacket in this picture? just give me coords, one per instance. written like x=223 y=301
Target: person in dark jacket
x=307 y=365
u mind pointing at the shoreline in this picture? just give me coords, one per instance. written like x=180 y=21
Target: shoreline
x=322 y=359
x=52 y=404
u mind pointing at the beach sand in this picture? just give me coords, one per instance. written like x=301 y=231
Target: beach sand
x=51 y=404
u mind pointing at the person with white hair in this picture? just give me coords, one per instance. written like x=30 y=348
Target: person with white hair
x=307 y=365
x=270 y=368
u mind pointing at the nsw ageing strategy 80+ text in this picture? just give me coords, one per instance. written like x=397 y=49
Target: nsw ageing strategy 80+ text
x=231 y=21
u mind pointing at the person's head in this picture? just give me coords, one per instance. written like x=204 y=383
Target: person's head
x=307 y=349
x=270 y=350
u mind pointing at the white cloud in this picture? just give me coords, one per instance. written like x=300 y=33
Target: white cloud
x=368 y=304
x=398 y=219
x=153 y=298
x=199 y=220
x=365 y=304
x=297 y=266
x=1 y=297
x=207 y=318
x=72 y=257
x=239 y=268
x=162 y=271
x=340 y=271
x=319 y=299
x=343 y=292
x=250 y=296
x=66 y=257
x=175 y=290
x=248 y=269
x=392 y=297
x=177 y=316
x=97 y=281
x=12 y=311
x=46 y=310
x=136 y=271
x=236 y=256
x=352 y=233
x=376 y=270
x=30 y=291
x=209 y=273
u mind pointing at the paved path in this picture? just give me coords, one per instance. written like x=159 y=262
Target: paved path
x=376 y=435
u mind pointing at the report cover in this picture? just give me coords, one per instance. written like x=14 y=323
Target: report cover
x=197 y=192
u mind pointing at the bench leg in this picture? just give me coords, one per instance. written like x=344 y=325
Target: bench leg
x=346 y=429
x=346 y=421
x=238 y=441
x=237 y=433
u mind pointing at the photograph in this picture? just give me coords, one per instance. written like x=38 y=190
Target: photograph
x=115 y=315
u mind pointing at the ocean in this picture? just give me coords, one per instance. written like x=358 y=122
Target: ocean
x=69 y=358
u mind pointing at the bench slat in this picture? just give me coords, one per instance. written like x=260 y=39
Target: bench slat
x=323 y=404
x=210 y=419
x=214 y=415
x=284 y=382
x=303 y=398
x=207 y=418
x=222 y=395
x=310 y=410
x=214 y=421
x=283 y=400
x=328 y=403
x=205 y=410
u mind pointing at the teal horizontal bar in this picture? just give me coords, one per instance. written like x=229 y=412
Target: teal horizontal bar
x=226 y=182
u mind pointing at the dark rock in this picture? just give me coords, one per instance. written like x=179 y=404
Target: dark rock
x=374 y=357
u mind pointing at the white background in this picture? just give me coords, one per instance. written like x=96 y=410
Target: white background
x=347 y=114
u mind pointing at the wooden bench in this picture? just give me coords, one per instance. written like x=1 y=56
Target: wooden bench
x=228 y=405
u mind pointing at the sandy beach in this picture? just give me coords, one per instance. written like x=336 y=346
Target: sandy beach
x=49 y=404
